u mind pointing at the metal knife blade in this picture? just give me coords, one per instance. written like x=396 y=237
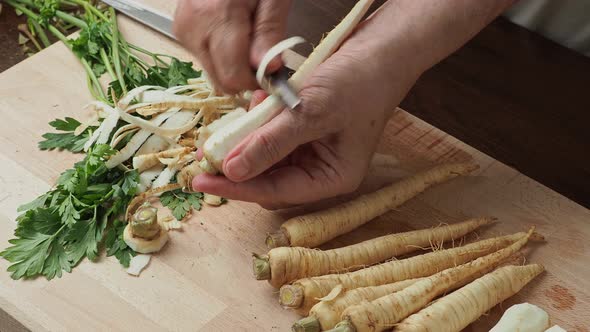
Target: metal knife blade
x=163 y=24
x=144 y=15
x=280 y=84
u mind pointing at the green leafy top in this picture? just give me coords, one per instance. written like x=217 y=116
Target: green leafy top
x=66 y=140
x=61 y=227
x=180 y=203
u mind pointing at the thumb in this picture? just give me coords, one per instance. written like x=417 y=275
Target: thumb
x=265 y=147
x=270 y=25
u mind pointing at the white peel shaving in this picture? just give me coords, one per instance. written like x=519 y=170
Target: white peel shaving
x=138 y=263
x=272 y=53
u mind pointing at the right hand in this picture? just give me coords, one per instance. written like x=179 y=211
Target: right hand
x=230 y=37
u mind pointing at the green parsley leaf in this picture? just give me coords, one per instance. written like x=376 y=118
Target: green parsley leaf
x=180 y=203
x=65 y=140
x=115 y=244
x=28 y=254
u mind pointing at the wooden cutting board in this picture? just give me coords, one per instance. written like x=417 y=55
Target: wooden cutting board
x=202 y=280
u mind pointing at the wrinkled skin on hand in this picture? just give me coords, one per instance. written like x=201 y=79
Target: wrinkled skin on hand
x=230 y=37
x=322 y=148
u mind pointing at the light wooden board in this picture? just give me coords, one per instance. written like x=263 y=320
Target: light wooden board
x=202 y=280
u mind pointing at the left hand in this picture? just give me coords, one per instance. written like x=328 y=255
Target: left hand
x=323 y=148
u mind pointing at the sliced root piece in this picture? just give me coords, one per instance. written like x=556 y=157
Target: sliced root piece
x=143 y=233
x=212 y=200
x=523 y=317
x=206 y=131
x=138 y=263
x=141 y=198
x=144 y=246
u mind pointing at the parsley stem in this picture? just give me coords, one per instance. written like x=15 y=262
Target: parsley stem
x=71 y=19
x=107 y=63
x=115 y=50
x=41 y=33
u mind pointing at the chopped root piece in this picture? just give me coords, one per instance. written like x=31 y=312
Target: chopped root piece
x=138 y=263
x=212 y=200
x=523 y=317
x=314 y=229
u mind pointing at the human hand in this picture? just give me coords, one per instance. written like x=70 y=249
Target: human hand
x=322 y=148
x=230 y=37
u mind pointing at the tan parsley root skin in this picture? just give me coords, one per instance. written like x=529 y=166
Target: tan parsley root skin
x=288 y=264
x=382 y=313
x=314 y=229
x=143 y=233
x=326 y=314
x=454 y=312
x=304 y=293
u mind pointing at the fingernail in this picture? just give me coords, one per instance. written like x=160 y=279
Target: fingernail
x=237 y=168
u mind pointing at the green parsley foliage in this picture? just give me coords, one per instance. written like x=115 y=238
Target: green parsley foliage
x=66 y=140
x=63 y=226
x=115 y=244
x=180 y=203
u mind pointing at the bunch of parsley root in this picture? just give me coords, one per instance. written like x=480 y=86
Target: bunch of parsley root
x=81 y=215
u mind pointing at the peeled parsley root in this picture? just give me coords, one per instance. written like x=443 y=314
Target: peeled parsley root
x=326 y=314
x=285 y=264
x=523 y=317
x=314 y=229
x=304 y=293
x=384 y=312
x=222 y=142
x=457 y=310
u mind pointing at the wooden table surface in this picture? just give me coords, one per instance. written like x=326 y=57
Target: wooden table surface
x=202 y=279
x=509 y=92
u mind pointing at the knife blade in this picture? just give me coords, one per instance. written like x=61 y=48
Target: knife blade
x=163 y=24
x=144 y=15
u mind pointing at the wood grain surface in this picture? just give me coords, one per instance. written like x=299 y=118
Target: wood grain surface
x=202 y=280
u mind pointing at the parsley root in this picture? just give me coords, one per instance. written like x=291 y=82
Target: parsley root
x=287 y=264
x=384 y=312
x=304 y=293
x=314 y=229
x=326 y=314
x=462 y=307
